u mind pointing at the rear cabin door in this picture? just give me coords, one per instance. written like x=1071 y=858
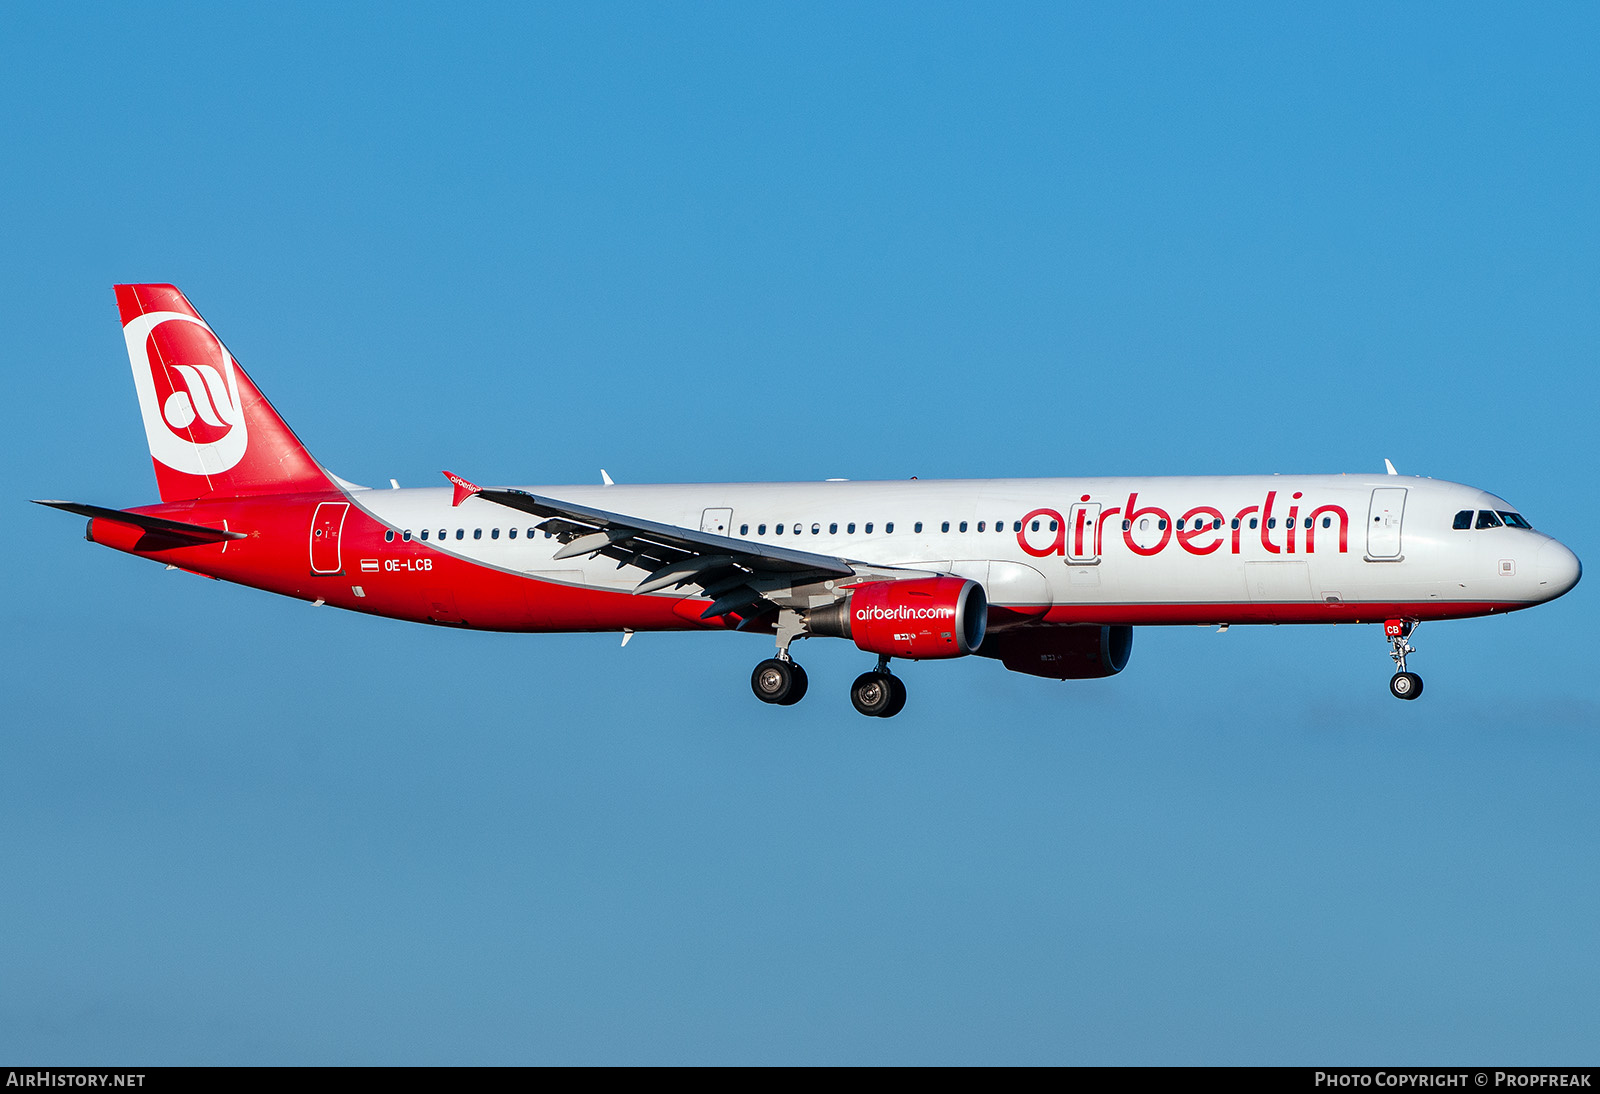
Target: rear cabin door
x=1383 y=523
x=326 y=524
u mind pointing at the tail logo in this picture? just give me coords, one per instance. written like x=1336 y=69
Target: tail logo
x=188 y=393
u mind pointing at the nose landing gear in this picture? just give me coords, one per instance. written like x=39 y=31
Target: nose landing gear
x=1403 y=684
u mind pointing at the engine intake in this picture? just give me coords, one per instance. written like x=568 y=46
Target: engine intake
x=919 y=618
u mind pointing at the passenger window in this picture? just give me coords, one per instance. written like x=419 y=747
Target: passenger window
x=945 y=527
x=1236 y=522
x=494 y=533
x=744 y=529
x=797 y=529
x=1035 y=526
x=1487 y=519
x=511 y=533
x=1180 y=524
x=761 y=529
x=1160 y=525
x=917 y=527
x=461 y=533
x=888 y=527
x=850 y=529
x=1252 y=522
x=1463 y=520
x=1308 y=522
x=1016 y=526
x=816 y=529
x=980 y=525
x=1127 y=525
x=533 y=530
x=777 y=529
x=388 y=535
x=477 y=533
x=833 y=529
x=869 y=528
x=1054 y=525
x=1272 y=522
x=405 y=536
x=963 y=526
x=1327 y=522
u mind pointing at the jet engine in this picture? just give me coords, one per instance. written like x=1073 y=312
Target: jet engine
x=1063 y=653
x=918 y=618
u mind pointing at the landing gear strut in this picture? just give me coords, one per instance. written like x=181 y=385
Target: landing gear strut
x=1403 y=684
x=879 y=693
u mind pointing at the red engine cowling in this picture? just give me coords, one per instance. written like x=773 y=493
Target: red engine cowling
x=1063 y=653
x=919 y=619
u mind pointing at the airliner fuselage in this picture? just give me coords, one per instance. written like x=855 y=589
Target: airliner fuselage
x=1046 y=575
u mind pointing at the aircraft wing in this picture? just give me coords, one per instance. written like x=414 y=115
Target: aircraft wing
x=743 y=578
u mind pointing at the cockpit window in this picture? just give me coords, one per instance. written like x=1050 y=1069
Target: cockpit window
x=1487 y=519
x=1463 y=520
x=1515 y=520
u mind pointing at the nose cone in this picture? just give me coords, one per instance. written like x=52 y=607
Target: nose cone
x=1556 y=569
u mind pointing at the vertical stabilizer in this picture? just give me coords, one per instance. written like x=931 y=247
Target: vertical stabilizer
x=211 y=432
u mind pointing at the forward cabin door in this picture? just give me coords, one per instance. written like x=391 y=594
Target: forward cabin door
x=716 y=521
x=326 y=524
x=1383 y=524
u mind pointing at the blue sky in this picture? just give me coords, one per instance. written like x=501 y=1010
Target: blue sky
x=759 y=242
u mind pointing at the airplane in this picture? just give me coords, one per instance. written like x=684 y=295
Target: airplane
x=1049 y=576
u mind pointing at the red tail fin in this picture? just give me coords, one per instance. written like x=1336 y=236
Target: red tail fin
x=210 y=430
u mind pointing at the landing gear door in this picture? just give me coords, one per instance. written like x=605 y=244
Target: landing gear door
x=1383 y=524
x=326 y=524
x=1083 y=533
x=716 y=521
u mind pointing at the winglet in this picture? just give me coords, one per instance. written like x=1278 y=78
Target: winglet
x=1389 y=467
x=464 y=489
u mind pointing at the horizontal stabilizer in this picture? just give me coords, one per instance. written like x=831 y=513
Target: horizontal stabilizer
x=175 y=529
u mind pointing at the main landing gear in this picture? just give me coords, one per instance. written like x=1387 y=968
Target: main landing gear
x=778 y=680
x=1403 y=684
x=879 y=693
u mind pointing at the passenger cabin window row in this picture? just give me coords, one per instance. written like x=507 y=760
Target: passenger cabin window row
x=461 y=533
x=783 y=528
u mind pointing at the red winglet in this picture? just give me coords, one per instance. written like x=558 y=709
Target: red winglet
x=464 y=489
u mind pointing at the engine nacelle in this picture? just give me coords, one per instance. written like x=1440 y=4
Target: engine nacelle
x=918 y=618
x=1063 y=653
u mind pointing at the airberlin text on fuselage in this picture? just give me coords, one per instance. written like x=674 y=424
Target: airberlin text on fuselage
x=1201 y=530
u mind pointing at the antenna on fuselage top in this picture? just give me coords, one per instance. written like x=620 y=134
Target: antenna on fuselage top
x=1389 y=467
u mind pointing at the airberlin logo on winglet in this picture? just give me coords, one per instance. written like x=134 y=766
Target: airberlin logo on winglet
x=1148 y=530
x=188 y=393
